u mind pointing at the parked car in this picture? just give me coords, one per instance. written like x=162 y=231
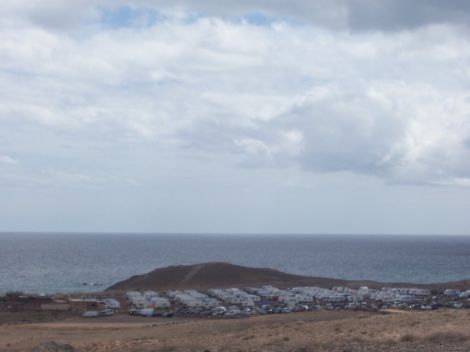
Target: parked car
x=91 y=314
x=107 y=312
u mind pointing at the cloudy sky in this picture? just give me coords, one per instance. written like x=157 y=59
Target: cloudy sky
x=267 y=116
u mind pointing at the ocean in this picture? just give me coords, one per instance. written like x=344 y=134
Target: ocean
x=48 y=263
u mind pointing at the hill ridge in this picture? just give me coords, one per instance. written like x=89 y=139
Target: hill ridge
x=222 y=275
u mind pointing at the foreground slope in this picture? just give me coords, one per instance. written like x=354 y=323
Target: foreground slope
x=320 y=331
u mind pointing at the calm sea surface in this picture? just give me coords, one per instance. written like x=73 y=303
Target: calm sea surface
x=45 y=263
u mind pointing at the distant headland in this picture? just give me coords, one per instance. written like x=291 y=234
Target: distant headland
x=222 y=275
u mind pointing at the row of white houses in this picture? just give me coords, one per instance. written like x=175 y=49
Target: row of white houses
x=193 y=299
x=234 y=296
x=250 y=297
x=147 y=299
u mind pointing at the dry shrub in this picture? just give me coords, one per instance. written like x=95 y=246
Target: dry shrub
x=390 y=342
x=407 y=338
x=447 y=336
x=167 y=349
x=249 y=337
x=304 y=347
x=358 y=339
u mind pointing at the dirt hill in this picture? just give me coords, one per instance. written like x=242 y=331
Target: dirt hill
x=221 y=275
x=211 y=275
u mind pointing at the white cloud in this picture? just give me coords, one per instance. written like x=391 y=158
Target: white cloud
x=394 y=105
x=68 y=177
x=256 y=147
x=458 y=182
x=6 y=159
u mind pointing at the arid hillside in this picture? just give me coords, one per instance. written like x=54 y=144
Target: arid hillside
x=211 y=275
x=437 y=331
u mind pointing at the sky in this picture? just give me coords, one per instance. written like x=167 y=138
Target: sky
x=236 y=116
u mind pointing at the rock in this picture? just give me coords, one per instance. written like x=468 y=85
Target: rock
x=53 y=346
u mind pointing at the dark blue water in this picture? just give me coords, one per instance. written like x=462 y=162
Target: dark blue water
x=63 y=262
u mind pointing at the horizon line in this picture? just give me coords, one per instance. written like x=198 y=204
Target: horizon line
x=173 y=233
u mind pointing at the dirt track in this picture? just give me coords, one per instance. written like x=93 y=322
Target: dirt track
x=316 y=331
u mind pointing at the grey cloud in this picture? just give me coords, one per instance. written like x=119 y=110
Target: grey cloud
x=404 y=14
x=356 y=136
x=229 y=124
x=382 y=15
x=6 y=159
x=50 y=14
x=353 y=14
x=354 y=130
x=325 y=101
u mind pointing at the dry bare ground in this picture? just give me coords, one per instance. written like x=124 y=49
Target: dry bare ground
x=444 y=330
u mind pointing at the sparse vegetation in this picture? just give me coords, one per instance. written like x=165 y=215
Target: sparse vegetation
x=447 y=336
x=167 y=349
x=408 y=338
x=278 y=333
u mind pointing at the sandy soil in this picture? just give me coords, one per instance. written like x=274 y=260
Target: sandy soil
x=444 y=330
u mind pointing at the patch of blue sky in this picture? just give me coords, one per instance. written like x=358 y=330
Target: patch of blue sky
x=260 y=19
x=128 y=16
x=192 y=17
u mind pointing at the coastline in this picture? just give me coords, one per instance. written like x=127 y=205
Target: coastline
x=62 y=263
x=344 y=315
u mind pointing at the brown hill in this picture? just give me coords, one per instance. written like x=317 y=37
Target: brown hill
x=211 y=275
x=221 y=275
